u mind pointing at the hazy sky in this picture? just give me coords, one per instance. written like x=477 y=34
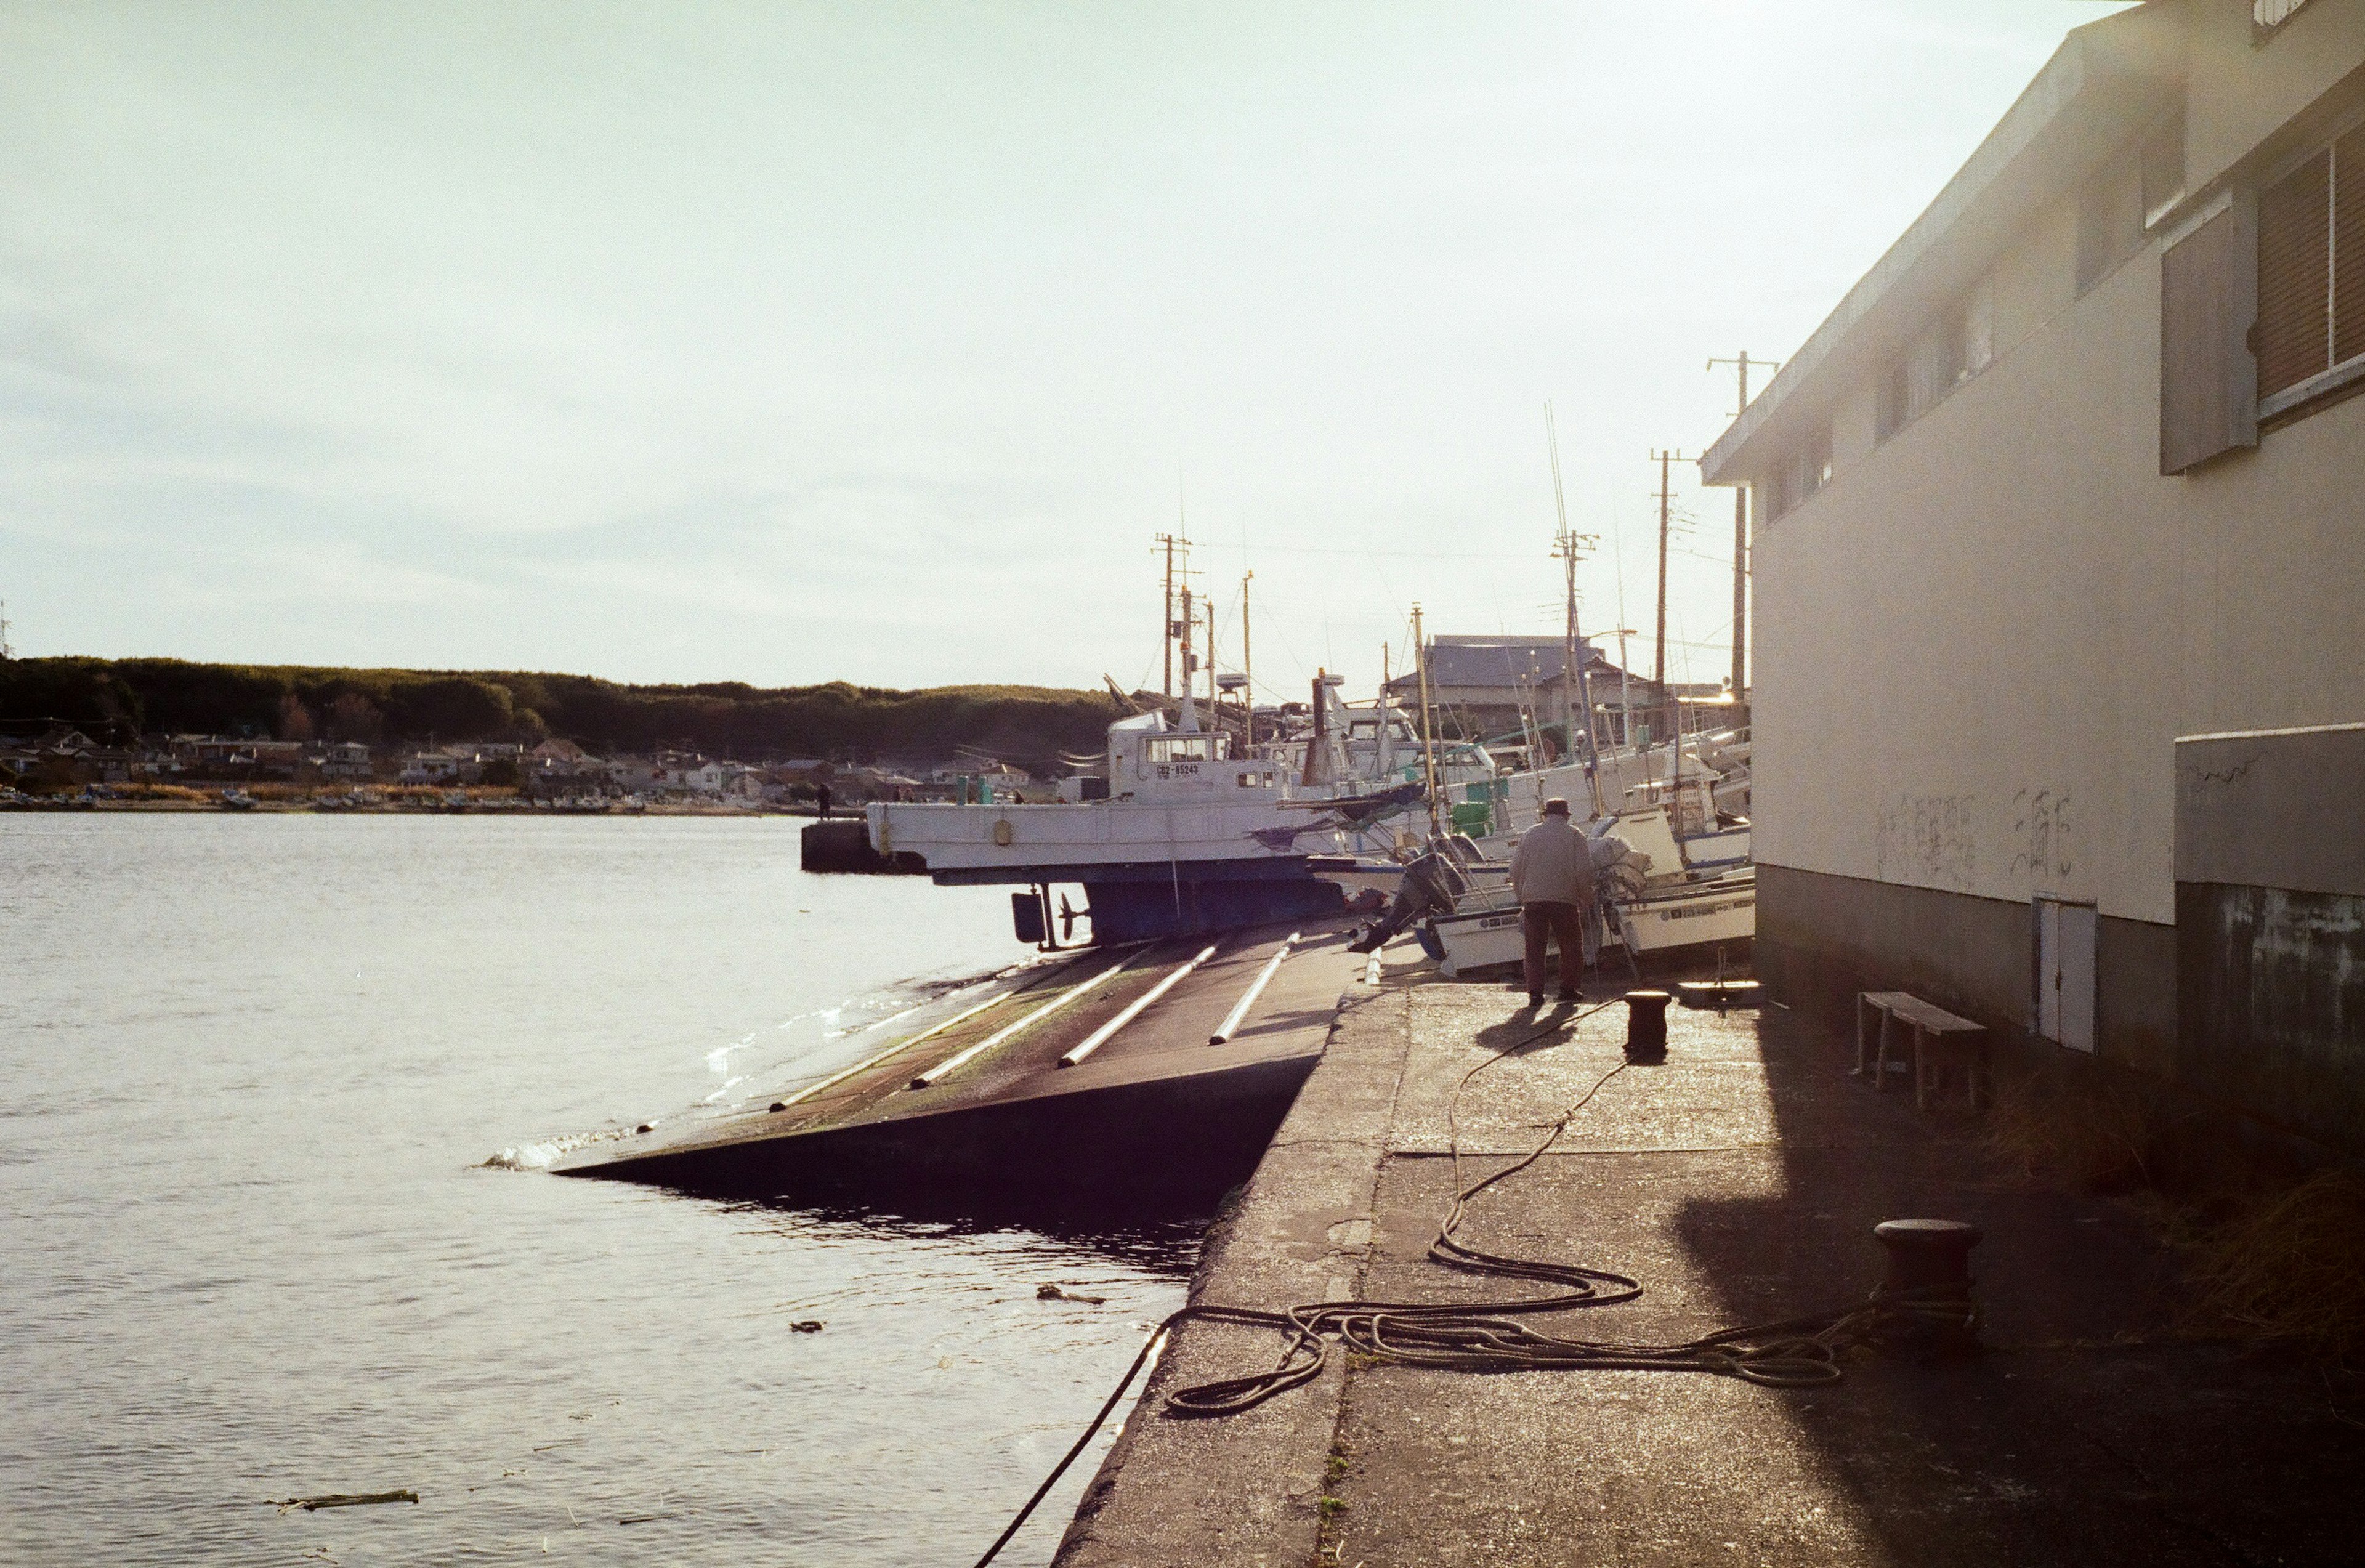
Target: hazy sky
x=786 y=343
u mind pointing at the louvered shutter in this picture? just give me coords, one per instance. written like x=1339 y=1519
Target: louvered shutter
x=2292 y=338
x=2205 y=375
x=2348 y=246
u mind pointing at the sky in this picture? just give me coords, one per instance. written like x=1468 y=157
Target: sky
x=874 y=341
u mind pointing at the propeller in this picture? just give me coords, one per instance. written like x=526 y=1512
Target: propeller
x=1067 y=918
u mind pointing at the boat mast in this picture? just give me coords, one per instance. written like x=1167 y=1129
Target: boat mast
x=1428 y=725
x=1248 y=667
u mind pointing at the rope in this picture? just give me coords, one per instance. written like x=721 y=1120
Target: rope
x=1792 y=1353
x=1141 y=1359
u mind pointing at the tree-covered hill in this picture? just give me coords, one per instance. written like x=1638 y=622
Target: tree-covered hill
x=1023 y=723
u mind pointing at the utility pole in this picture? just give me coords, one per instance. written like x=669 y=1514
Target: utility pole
x=1659 y=660
x=1570 y=548
x=1741 y=538
x=7 y=652
x=1166 y=615
x=1210 y=608
x=1190 y=659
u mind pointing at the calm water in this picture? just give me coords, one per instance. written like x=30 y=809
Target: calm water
x=251 y=1072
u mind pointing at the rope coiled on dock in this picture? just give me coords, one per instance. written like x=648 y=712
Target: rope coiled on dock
x=1488 y=1336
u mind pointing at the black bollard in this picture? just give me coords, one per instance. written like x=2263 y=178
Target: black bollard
x=1929 y=1284
x=1646 y=1026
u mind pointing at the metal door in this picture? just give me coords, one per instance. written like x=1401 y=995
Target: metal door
x=2064 y=1003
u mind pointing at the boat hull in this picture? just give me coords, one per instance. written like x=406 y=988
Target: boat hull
x=1030 y=839
x=1714 y=913
x=1705 y=914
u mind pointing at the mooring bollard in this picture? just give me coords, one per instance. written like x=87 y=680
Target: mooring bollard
x=1929 y=1284
x=1646 y=1026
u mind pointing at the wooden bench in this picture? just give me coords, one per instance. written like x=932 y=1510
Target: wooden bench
x=1940 y=1040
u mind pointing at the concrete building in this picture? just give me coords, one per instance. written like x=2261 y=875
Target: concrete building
x=2075 y=473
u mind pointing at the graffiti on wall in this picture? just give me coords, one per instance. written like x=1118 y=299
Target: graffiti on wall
x=2043 y=846
x=1928 y=840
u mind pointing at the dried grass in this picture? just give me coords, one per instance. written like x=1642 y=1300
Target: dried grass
x=2271 y=1253
x=2291 y=1267
x=2099 y=1137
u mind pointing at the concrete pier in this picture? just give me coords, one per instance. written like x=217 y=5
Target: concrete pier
x=1740 y=1182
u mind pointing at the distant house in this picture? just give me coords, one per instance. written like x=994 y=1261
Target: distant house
x=224 y=756
x=442 y=765
x=341 y=759
x=1485 y=686
x=696 y=775
x=558 y=768
x=750 y=786
x=671 y=772
x=636 y=775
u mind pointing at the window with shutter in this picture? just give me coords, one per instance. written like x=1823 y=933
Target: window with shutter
x=2348 y=246
x=2310 y=336
x=2293 y=335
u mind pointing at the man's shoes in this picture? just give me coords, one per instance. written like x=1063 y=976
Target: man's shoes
x=1572 y=996
x=1535 y=998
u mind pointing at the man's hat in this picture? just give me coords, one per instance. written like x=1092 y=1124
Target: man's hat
x=1556 y=807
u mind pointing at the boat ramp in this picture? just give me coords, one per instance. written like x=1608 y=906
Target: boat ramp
x=1090 y=1080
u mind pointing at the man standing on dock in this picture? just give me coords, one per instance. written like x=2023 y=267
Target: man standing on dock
x=1552 y=873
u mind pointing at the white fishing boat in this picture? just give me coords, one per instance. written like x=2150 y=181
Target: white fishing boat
x=1176 y=834
x=1654 y=903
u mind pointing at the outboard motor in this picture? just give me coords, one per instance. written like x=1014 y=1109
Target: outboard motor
x=1433 y=885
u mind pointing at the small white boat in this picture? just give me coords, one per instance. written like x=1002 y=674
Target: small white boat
x=1697 y=915
x=1659 y=905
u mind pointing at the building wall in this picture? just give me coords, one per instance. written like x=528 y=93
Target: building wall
x=2271 y=925
x=2239 y=95
x=2030 y=616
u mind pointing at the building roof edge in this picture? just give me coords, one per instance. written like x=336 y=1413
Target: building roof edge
x=2084 y=58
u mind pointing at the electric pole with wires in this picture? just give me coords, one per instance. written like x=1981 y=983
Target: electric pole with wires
x=1741 y=538
x=1570 y=548
x=1659 y=658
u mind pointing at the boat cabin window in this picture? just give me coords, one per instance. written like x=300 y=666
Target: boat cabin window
x=1206 y=747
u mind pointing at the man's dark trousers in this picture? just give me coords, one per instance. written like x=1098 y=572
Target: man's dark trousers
x=1559 y=923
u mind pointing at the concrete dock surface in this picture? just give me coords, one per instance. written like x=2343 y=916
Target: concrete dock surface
x=1740 y=1182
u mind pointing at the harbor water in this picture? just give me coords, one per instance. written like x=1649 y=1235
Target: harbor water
x=273 y=1093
